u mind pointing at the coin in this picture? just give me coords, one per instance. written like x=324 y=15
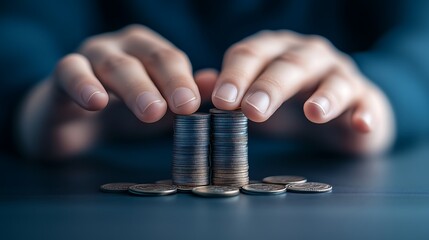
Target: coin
x=284 y=179
x=119 y=187
x=263 y=189
x=191 y=150
x=309 y=187
x=216 y=191
x=185 y=188
x=229 y=151
x=152 y=189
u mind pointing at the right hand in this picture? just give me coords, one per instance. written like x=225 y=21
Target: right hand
x=135 y=65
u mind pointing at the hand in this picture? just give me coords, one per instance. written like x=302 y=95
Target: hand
x=134 y=65
x=263 y=71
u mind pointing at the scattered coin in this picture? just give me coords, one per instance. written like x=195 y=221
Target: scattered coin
x=309 y=187
x=221 y=137
x=152 y=189
x=184 y=188
x=116 y=187
x=216 y=191
x=284 y=180
x=263 y=189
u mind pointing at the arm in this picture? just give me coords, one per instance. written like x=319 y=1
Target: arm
x=399 y=64
x=32 y=39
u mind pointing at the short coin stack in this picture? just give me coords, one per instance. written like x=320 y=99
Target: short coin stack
x=229 y=157
x=191 y=150
x=273 y=185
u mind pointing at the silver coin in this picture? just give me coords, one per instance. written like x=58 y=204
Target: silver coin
x=284 y=179
x=119 y=187
x=185 y=188
x=309 y=187
x=152 y=189
x=216 y=191
x=263 y=189
x=229 y=150
x=191 y=150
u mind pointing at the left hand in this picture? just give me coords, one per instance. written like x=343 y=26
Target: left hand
x=265 y=70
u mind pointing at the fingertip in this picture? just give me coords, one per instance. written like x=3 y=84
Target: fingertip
x=222 y=104
x=226 y=96
x=314 y=112
x=188 y=108
x=362 y=122
x=93 y=98
x=150 y=106
x=98 y=101
x=154 y=112
x=185 y=101
x=253 y=115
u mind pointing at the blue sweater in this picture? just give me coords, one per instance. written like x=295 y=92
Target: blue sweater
x=389 y=40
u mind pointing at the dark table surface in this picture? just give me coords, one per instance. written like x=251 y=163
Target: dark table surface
x=379 y=198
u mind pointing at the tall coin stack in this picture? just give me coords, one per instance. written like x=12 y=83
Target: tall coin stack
x=191 y=150
x=229 y=157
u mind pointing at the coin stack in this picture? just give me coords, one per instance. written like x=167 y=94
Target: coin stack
x=229 y=157
x=191 y=150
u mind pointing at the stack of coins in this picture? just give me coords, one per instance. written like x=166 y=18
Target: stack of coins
x=229 y=157
x=191 y=150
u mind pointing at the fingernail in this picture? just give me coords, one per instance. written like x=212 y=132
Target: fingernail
x=182 y=96
x=227 y=92
x=88 y=92
x=259 y=100
x=145 y=100
x=322 y=103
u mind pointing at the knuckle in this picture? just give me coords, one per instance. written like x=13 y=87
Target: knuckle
x=271 y=83
x=67 y=61
x=95 y=44
x=166 y=54
x=90 y=43
x=66 y=64
x=235 y=75
x=318 y=42
x=290 y=58
x=346 y=62
x=134 y=29
x=266 y=33
x=177 y=80
x=288 y=34
x=245 y=50
x=114 y=63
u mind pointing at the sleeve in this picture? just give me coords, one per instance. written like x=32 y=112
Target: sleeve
x=33 y=36
x=399 y=64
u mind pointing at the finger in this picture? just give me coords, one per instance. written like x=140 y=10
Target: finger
x=298 y=68
x=243 y=62
x=206 y=80
x=168 y=67
x=335 y=95
x=125 y=76
x=74 y=75
x=363 y=119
